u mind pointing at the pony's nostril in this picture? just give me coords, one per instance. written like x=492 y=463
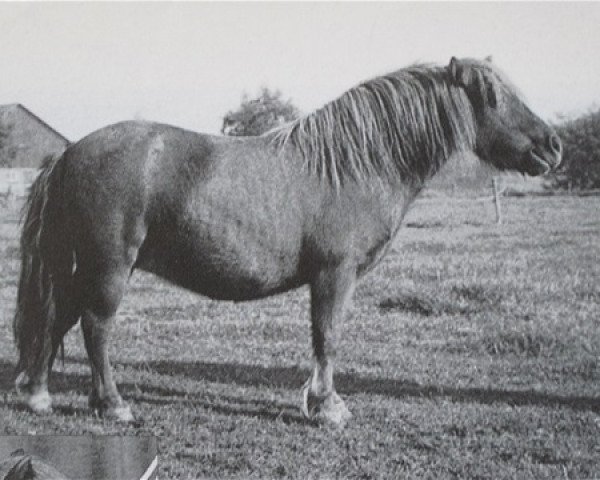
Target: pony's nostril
x=555 y=144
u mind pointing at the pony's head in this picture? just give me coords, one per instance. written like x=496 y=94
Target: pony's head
x=508 y=134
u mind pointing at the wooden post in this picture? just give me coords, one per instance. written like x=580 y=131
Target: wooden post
x=495 y=183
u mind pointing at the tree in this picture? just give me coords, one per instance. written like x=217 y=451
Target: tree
x=581 y=152
x=259 y=115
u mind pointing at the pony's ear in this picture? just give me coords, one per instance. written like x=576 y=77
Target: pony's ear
x=460 y=73
x=488 y=59
x=473 y=81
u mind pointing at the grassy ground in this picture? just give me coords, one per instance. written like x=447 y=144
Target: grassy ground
x=471 y=352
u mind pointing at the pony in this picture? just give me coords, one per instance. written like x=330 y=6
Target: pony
x=315 y=202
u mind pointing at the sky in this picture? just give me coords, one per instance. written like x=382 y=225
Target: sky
x=81 y=66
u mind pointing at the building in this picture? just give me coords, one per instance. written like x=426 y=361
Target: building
x=25 y=138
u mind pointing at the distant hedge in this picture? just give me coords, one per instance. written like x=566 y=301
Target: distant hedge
x=581 y=157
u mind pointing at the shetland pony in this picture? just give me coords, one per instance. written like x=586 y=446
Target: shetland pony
x=316 y=202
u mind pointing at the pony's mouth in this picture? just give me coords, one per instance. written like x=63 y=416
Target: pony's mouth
x=541 y=162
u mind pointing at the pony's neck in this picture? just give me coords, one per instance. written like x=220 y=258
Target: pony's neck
x=399 y=127
x=435 y=122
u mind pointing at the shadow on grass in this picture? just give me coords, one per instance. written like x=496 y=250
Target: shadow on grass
x=291 y=378
x=217 y=403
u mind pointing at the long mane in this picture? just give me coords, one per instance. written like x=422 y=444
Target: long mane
x=405 y=124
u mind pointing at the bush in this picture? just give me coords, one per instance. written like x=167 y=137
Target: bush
x=581 y=156
x=259 y=115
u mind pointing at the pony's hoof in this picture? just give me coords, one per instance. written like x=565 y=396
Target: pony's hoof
x=330 y=410
x=39 y=403
x=121 y=413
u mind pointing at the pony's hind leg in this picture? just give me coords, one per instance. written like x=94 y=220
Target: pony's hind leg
x=103 y=295
x=32 y=386
x=330 y=292
x=32 y=382
x=67 y=316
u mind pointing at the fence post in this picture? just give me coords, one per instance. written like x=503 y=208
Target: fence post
x=497 y=200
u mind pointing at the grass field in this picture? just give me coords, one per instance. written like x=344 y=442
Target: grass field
x=472 y=351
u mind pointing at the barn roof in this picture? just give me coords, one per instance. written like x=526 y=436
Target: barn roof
x=15 y=106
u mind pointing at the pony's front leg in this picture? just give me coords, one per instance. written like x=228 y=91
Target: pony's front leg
x=330 y=292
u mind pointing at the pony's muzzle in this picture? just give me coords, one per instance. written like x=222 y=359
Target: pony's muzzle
x=547 y=154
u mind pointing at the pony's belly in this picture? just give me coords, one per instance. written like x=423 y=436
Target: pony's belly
x=225 y=275
x=224 y=285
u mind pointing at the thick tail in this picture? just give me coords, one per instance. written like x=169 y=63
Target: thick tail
x=47 y=264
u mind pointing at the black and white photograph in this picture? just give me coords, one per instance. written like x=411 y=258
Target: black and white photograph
x=299 y=240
